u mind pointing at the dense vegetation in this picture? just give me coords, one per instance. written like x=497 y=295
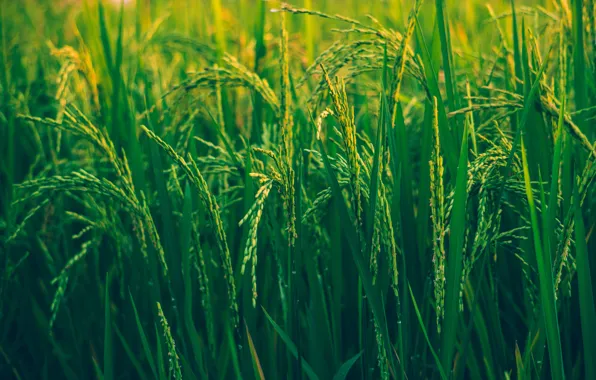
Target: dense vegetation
x=250 y=189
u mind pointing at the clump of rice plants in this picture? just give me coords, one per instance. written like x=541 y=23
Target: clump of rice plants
x=260 y=189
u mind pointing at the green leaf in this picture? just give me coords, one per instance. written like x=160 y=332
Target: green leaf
x=144 y=341
x=402 y=215
x=291 y=346
x=448 y=142
x=116 y=74
x=446 y=51
x=454 y=266
x=108 y=356
x=104 y=35
x=343 y=371
x=219 y=129
x=516 y=52
x=547 y=290
x=586 y=296
x=186 y=230
x=398 y=141
x=519 y=363
x=430 y=346
x=579 y=64
x=131 y=355
x=161 y=367
x=528 y=105
x=255 y=358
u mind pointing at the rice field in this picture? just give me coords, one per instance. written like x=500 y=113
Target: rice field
x=397 y=189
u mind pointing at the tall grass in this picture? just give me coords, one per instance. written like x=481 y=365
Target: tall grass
x=308 y=190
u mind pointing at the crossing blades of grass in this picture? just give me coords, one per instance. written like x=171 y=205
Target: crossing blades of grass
x=448 y=141
x=291 y=347
x=144 y=341
x=547 y=290
x=365 y=276
x=528 y=106
x=130 y=354
x=357 y=203
x=481 y=330
x=430 y=346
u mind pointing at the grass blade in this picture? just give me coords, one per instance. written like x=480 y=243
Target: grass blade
x=108 y=355
x=186 y=230
x=291 y=347
x=104 y=35
x=343 y=371
x=579 y=64
x=454 y=266
x=528 y=106
x=547 y=290
x=447 y=139
x=519 y=363
x=144 y=340
x=422 y=326
x=586 y=296
x=255 y=358
x=161 y=366
x=446 y=51
x=131 y=355
x=516 y=52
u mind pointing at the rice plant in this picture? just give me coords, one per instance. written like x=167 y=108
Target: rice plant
x=259 y=189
